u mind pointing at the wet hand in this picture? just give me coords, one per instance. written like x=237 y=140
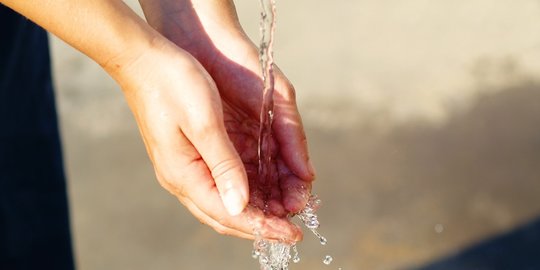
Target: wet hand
x=291 y=173
x=212 y=34
x=186 y=126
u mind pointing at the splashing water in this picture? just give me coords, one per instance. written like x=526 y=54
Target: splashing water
x=296 y=256
x=328 y=260
x=271 y=255
x=275 y=255
x=310 y=219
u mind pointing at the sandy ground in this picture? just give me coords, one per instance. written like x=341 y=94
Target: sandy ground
x=423 y=123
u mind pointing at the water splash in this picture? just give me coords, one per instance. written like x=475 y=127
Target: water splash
x=277 y=255
x=271 y=255
x=296 y=256
x=328 y=260
x=310 y=219
x=274 y=255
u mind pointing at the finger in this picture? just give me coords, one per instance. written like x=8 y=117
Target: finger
x=275 y=200
x=208 y=201
x=197 y=191
x=206 y=131
x=289 y=130
x=189 y=179
x=295 y=191
x=226 y=168
x=205 y=219
x=256 y=194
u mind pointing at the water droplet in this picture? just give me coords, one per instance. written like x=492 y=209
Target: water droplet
x=328 y=259
x=278 y=255
x=312 y=224
x=323 y=240
x=295 y=257
x=439 y=228
x=255 y=254
x=264 y=260
x=261 y=244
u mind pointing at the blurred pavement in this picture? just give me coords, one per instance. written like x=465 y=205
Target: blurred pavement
x=423 y=120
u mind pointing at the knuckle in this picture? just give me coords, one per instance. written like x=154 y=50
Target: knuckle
x=221 y=230
x=202 y=220
x=225 y=166
x=223 y=220
x=289 y=92
x=204 y=127
x=171 y=181
x=292 y=91
x=205 y=124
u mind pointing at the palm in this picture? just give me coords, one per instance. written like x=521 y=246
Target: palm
x=240 y=89
x=243 y=131
x=232 y=61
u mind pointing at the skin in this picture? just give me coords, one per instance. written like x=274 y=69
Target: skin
x=194 y=88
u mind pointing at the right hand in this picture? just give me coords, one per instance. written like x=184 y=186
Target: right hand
x=211 y=32
x=180 y=116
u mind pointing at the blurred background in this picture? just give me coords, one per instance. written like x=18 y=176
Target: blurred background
x=423 y=119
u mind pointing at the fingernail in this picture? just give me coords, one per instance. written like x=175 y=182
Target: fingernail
x=234 y=201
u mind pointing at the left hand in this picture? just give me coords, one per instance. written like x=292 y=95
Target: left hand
x=180 y=116
x=210 y=31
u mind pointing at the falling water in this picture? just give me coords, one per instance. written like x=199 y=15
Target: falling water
x=268 y=24
x=275 y=255
x=272 y=256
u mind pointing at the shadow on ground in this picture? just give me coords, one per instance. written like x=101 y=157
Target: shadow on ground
x=517 y=250
x=506 y=155
x=391 y=200
x=420 y=192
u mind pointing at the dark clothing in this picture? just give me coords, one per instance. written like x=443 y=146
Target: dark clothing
x=34 y=224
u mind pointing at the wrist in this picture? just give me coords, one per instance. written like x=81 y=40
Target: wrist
x=121 y=63
x=204 y=28
x=153 y=67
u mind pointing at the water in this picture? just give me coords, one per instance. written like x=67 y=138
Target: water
x=296 y=256
x=275 y=255
x=310 y=219
x=271 y=255
x=328 y=260
x=439 y=228
x=268 y=24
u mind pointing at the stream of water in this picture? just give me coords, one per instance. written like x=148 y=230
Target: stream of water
x=276 y=255
x=266 y=58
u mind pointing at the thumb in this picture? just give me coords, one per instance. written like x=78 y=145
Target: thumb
x=213 y=144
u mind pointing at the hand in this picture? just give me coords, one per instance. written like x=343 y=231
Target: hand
x=180 y=116
x=177 y=107
x=210 y=31
x=240 y=87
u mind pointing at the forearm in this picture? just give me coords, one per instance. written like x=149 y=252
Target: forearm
x=183 y=15
x=202 y=27
x=107 y=31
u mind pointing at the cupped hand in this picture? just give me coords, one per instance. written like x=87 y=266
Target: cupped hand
x=212 y=34
x=186 y=127
x=290 y=172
